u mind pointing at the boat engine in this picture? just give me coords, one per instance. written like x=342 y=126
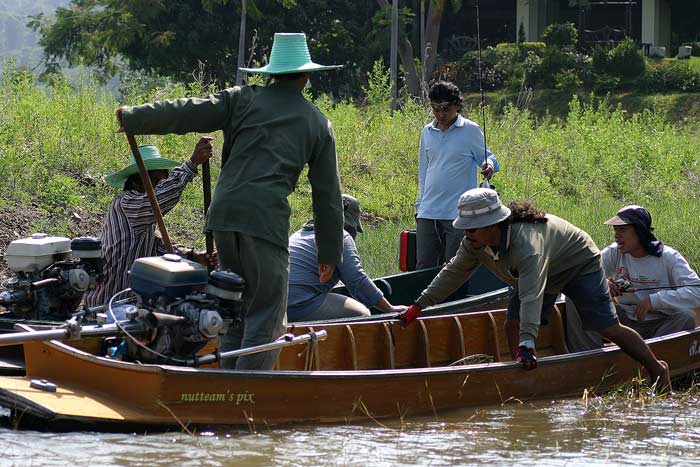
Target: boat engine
x=51 y=276
x=182 y=304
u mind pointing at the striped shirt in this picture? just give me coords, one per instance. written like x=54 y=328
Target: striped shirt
x=129 y=232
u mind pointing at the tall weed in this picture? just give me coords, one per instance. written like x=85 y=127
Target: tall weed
x=57 y=142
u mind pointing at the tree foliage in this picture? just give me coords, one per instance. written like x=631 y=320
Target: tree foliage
x=162 y=37
x=175 y=37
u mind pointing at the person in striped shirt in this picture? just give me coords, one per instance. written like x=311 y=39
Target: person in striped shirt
x=129 y=230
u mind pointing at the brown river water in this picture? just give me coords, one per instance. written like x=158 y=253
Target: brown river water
x=571 y=432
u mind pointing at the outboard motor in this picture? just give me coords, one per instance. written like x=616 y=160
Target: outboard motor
x=51 y=276
x=183 y=304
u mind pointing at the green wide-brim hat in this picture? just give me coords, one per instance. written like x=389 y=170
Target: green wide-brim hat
x=151 y=159
x=290 y=54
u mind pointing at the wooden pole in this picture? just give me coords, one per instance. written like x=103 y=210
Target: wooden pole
x=206 y=188
x=148 y=186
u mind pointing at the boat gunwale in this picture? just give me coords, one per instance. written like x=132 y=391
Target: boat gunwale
x=164 y=369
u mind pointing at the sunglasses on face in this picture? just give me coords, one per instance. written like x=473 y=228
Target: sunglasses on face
x=441 y=106
x=471 y=231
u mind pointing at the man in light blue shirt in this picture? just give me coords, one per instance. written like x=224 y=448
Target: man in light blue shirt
x=309 y=298
x=452 y=148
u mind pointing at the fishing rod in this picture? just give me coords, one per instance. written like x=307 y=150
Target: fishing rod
x=625 y=286
x=485 y=183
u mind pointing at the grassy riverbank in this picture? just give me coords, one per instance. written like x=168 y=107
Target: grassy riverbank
x=57 y=143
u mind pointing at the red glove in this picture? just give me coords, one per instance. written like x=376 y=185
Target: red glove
x=526 y=357
x=410 y=315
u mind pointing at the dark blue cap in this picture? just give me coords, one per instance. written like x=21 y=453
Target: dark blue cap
x=631 y=214
x=640 y=218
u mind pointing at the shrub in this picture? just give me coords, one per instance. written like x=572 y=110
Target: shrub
x=600 y=59
x=537 y=48
x=604 y=83
x=623 y=60
x=491 y=77
x=560 y=35
x=554 y=60
x=669 y=76
x=508 y=60
x=568 y=81
x=507 y=51
x=626 y=60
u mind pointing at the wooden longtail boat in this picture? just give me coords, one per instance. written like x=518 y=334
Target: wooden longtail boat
x=484 y=291
x=368 y=370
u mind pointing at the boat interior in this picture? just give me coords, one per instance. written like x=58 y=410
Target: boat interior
x=467 y=338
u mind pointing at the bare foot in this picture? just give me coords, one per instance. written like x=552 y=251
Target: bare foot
x=662 y=379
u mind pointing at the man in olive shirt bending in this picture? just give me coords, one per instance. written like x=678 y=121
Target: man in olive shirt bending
x=270 y=134
x=541 y=255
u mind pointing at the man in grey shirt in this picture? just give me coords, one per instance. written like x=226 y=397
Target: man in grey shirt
x=311 y=299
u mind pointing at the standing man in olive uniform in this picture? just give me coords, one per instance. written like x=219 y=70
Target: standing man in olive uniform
x=270 y=134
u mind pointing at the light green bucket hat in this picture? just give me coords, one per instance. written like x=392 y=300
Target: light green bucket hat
x=151 y=159
x=290 y=54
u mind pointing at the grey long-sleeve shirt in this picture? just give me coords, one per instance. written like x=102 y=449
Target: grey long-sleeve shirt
x=535 y=257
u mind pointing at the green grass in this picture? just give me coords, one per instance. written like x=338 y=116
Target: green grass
x=58 y=142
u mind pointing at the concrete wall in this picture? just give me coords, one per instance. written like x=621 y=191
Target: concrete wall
x=532 y=14
x=656 y=23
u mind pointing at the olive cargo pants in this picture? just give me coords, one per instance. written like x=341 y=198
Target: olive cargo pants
x=265 y=268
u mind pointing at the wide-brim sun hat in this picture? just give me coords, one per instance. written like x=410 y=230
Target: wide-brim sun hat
x=152 y=160
x=480 y=207
x=290 y=54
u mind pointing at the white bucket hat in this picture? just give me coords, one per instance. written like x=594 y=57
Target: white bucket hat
x=479 y=207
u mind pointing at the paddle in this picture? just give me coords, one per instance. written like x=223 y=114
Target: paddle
x=148 y=186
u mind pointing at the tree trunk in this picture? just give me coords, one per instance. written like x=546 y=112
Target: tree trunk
x=432 y=32
x=406 y=55
x=241 y=45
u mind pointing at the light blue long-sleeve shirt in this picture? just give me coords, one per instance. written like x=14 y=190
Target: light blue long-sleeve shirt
x=448 y=162
x=307 y=292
